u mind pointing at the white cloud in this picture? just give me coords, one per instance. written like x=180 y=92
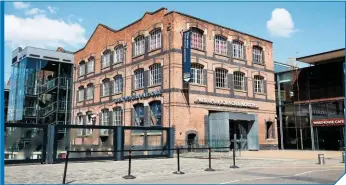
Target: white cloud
x=34 y=11
x=52 y=9
x=281 y=23
x=40 y=31
x=80 y=20
x=21 y=5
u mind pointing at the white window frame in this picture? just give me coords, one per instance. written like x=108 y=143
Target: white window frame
x=106 y=59
x=139 y=78
x=221 y=77
x=197 y=73
x=155 y=74
x=90 y=66
x=259 y=84
x=82 y=69
x=155 y=39
x=89 y=131
x=105 y=118
x=220 y=45
x=81 y=94
x=90 y=95
x=196 y=39
x=118 y=84
x=257 y=53
x=119 y=54
x=80 y=122
x=239 y=80
x=139 y=45
x=105 y=88
x=238 y=49
x=117 y=116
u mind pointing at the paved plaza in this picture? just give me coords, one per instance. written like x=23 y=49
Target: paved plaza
x=273 y=169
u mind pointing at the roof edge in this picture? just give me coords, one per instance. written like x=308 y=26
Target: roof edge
x=327 y=52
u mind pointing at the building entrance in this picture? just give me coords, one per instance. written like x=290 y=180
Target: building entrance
x=330 y=138
x=239 y=129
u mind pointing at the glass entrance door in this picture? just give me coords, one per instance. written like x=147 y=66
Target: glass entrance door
x=240 y=129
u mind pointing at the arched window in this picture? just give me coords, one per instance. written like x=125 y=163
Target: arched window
x=220 y=45
x=155 y=113
x=90 y=91
x=138 y=114
x=257 y=55
x=139 y=45
x=197 y=73
x=81 y=68
x=105 y=87
x=139 y=78
x=238 y=49
x=90 y=65
x=117 y=116
x=221 y=77
x=259 y=84
x=239 y=80
x=155 y=39
x=196 y=38
x=81 y=93
x=119 y=54
x=118 y=84
x=105 y=117
x=106 y=59
x=155 y=74
x=90 y=118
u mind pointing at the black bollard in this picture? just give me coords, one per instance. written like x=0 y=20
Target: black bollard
x=65 y=169
x=234 y=166
x=343 y=157
x=178 y=172
x=129 y=176
x=209 y=169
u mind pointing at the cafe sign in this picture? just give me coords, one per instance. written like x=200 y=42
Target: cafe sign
x=226 y=103
x=329 y=122
x=138 y=96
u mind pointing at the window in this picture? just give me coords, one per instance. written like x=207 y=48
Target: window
x=139 y=78
x=139 y=45
x=139 y=114
x=90 y=65
x=90 y=116
x=196 y=38
x=197 y=73
x=79 y=121
x=82 y=68
x=104 y=118
x=257 y=55
x=106 y=59
x=118 y=84
x=155 y=113
x=239 y=80
x=155 y=74
x=81 y=94
x=105 y=87
x=238 y=49
x=155 y=39
x=270 y=130
x=221 y=77
x=90 y=91
x=117 y=116
x=119 y=54
x=259 y=84
x=220 y=45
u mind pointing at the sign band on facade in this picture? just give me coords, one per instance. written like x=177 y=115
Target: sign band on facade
x=226 y=103
x=138 y=96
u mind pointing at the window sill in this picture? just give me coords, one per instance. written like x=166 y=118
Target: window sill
x=222 y=88
x=90 y=73
x=137 y=56
x=117 y=93
x=197 y=49
x=260 y=93
x=223 y=55
x=238 y=90
x=156 y=49
x=89 y=99
x=117 y=63
x=80 y=76
x=241 y=59
x=260 y=64
x=199 y=85
x=270 y=139
x=154 y=85
x=105 y=67
x=80 y=101
x=104 y=96
x=141 y=88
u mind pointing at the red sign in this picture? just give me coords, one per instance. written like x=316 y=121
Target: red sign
x=328 y=122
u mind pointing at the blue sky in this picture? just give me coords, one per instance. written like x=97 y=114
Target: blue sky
x=296 y=29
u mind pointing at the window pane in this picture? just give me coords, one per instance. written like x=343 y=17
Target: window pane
x=239 y=78
x=155 y=74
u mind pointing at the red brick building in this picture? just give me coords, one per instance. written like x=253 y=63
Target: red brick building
x=133 y=76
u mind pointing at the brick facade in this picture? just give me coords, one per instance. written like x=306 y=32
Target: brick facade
x=178 y=109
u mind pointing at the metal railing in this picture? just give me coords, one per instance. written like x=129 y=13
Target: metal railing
x=30 y=111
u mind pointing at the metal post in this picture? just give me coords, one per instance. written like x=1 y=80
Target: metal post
x=311 y=127
x=209 y=169
x=178 y=160
x=65 y=169
x=65 y=129
x=343 y=157
x=234 y=145
x=280 y=114
x=129 y=176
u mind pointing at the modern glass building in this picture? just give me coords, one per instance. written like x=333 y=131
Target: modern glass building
x=40 y=91
x=310 y=103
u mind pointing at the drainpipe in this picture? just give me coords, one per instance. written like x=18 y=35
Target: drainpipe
x=169 y=74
